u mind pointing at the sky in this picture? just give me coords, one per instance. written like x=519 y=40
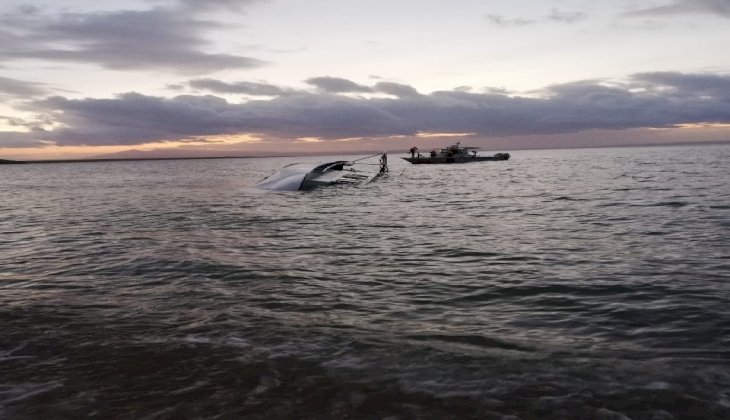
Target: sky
x=83 y=78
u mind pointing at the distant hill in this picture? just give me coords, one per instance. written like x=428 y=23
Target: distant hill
x=6 y=162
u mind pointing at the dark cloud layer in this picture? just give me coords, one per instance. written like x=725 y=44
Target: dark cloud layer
x=246 y=88
x=655 y=100
x=235 y=5
x=680 y=7
x=337 y=85
x=17 y=139
x=683 y=86
x=397 y=89
x=15 y=87
x=162 y=39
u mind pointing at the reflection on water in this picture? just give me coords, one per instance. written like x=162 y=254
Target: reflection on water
x=558 y=284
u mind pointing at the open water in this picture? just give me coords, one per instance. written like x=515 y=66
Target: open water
x=567 y=284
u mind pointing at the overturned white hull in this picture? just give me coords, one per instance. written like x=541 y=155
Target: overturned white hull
x=303 y=176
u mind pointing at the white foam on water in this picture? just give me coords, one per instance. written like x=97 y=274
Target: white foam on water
x=14 y=393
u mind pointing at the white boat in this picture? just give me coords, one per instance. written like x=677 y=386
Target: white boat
x=453 y=154
x=307 y=176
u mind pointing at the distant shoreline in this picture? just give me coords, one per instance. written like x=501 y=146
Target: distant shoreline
x=136 y=159
x=92 y=160
x=349 y=153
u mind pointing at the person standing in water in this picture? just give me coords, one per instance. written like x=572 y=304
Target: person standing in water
x=384 y=163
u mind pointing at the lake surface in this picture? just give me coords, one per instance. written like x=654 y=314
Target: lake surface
x=560 y=284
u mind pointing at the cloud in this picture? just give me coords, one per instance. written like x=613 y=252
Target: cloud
x=337 y=85
x=246 y=88
x=503 y=21
x=330 y=84
x=646 y=100
x=158 y=39
x=397 y=89
x=565 y=17
x=555 y=16
x=13 y=139
x=683 y=85
x=134 y=118
x=681 y=7
x=14 y=87
x=205 y=5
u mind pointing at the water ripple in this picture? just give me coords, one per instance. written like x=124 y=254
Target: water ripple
x=560 y=284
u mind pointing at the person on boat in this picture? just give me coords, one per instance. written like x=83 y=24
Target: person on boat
x=450 y=156
x=433 y=153
x=414 y=149
x=384 y=163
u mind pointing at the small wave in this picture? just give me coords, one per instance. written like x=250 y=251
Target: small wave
x=463 y=253
x=671 y=204
x=612 y=204
x=473 y=340
x=656 y=233
x=11 y=394
x=9 y=355
x=566 y=198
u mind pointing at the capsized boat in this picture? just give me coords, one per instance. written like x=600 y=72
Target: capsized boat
x=308 y=176
x=453 y=154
